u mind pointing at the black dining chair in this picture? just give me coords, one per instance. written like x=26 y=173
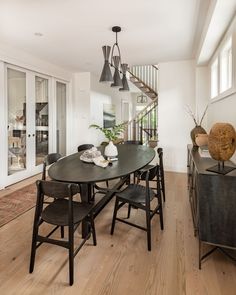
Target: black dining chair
x=138 y=142
x=63 y=211
x=49 y=159
x=141 y=197
x=84 y=147
x=161 y=172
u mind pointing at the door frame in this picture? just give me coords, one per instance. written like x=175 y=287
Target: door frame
x=55 y=80
x=31 y=168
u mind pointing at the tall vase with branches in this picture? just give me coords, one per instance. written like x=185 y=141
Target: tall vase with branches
x=198 y=129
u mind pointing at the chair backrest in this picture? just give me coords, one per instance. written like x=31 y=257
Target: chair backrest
x=149 y=174
x=138 y=142
x=56 y=189
x=84 y=147
x=49 y=159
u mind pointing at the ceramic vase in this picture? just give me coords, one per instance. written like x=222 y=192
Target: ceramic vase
x=111 y=150
x=201 y=139
x=196 y=130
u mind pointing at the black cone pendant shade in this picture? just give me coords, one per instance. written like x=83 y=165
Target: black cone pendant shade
x=116 y=78
x=106 y=75
x=125 y=84
x=116 y=63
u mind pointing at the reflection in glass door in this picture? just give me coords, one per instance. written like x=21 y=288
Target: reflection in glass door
x=61 y=117
x=16 y=94
x=41 y=119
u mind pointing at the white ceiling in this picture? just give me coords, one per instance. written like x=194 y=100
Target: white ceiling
x=75 y=30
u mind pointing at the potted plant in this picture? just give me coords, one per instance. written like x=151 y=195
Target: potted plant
x=111 y=134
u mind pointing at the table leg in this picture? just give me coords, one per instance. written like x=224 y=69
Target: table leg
x=85 y=193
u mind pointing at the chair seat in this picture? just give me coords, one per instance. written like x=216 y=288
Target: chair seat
x=57 y=212
x=135 y=193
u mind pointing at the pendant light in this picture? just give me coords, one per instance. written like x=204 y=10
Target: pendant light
x=115 y=62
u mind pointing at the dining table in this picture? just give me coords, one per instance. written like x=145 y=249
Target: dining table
x=72 y=169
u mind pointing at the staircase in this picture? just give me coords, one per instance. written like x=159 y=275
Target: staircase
x=143 y=127
x=145 y=78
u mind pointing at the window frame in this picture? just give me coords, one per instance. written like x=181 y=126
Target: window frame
x=230 y=33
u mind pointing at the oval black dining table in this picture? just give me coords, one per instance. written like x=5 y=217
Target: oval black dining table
x=71 y=169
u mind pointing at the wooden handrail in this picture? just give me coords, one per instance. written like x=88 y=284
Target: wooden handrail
x=148 y=105
x=154 y=105
x=145 y=85
x=155 y=67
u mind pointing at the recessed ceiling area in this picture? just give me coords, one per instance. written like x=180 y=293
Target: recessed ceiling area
x=73 y=31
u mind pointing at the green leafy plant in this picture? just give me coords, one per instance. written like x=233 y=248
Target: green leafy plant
x=110 y=133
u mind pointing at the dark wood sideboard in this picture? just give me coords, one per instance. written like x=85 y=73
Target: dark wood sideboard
x=213 y=203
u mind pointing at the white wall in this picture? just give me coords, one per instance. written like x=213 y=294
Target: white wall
x=88 y=97
x=202 y=94
x=25 y=60
x=176 y=89
x=80 y=111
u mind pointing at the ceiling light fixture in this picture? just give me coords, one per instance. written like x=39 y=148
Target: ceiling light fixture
x=141 y=98
x=116 y=63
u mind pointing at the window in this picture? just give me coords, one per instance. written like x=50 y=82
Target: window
x=222 y=68
x=226 y=66
x=214 y=78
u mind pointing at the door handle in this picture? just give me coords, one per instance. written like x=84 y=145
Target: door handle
x=33 y=135
x=28 y=135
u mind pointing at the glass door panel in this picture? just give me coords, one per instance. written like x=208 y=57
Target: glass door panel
x=16 y=95
x=61 y=117
x=41 y=119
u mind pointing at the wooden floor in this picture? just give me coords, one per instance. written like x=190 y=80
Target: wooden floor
x=119 y=264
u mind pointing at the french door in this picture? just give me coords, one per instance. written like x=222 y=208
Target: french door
x=29 y=122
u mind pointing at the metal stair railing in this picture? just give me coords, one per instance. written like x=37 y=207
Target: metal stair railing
x=143 y=126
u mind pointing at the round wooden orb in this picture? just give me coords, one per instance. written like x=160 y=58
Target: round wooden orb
x=222 y=141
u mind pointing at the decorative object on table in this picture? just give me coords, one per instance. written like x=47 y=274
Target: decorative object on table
x=201 y=139
x=204 y=151
x=101 y=162
x=222 y=145
x=109 y=115
x=90 y=154
x=111 y=134
x=116 y=63
x=198 y=129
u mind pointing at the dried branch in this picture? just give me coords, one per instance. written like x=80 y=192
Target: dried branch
x=190 y=112
x=196 y=120
x=203 y=115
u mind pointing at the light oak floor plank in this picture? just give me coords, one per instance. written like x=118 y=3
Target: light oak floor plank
x=119 y=264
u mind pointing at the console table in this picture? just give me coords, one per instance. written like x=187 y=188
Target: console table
x=213 y=203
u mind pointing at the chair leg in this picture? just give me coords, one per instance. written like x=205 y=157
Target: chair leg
x=38 y=209
x=71 y=254
x=62 y=232
x=163 y=188
x=160 y=211
x=93 y=230
x=148 y=220
x=114 y=216
x=33 y=247
x=129 y=210
x=199 y=256
x=107 y=183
